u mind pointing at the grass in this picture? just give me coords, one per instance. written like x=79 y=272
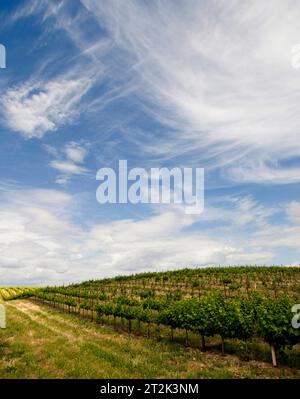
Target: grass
x=40 y=342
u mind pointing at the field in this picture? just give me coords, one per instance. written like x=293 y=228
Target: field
x=41 y=342
x=194 y=323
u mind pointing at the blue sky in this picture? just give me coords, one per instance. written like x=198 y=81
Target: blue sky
x=162 y=83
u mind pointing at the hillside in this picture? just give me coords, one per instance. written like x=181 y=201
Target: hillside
x=234 y=303
x=242 y=311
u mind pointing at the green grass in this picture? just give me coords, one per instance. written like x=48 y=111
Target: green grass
x=40 y=342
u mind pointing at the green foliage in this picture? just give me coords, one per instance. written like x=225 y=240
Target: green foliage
x=147 y=294
x=233 y=302
x=274 y=322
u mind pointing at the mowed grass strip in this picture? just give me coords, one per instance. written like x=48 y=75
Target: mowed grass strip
x=43 y=343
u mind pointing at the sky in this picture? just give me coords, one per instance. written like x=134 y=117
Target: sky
x=203 y=83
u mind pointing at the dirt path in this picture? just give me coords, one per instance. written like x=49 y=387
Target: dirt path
x=34 y=313
x=51 y=319
x=76 y=331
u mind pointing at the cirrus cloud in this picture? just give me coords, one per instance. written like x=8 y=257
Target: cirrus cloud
x=33 y=109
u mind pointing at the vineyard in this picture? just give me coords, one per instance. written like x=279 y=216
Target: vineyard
x=236 y=303
x=9 y=293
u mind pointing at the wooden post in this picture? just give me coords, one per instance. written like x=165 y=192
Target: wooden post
x=186 y=338
x=273 y=353
x=223 y=346
x=148 y=330
x=203 y=346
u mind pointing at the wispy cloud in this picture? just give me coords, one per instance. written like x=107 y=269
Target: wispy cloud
x=68 y=167
x=198 y=83
x=227 y=92
x=36 y=108
x=219 y=75
x=293 y=212
x=33 y=7
x=76 y=152
x=263 y=171
x=69 y=161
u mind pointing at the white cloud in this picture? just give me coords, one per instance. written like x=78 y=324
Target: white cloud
x=228 y=90
x=34 y=233
x=69 y=160
x=274 y=237
x=34 y=7
x=220 y=75
x=68 y=167
x=264 y=172
x=35 y=108
x=75 y=152
x=63 y=180
x=40 y=243
x=293 y=212
x=42 y=196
